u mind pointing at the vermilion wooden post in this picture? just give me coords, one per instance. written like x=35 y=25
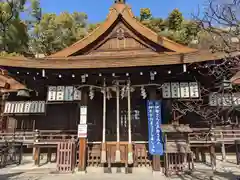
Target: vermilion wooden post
x=83 y=141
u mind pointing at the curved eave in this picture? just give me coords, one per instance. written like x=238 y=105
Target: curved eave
x=9 y=84
x=91 y=62
x=127 y=15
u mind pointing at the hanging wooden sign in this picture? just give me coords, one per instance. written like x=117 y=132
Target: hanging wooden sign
x=52 y=91
x=68 y=94
x=21 y=109
x=17 y=107
x=7 y=108
x=27 y=107
x=184 y=90
x=166 y=90
x=60 y=93
x=175 y=90
x=12 y=109
x=194 y=89
x=41 y=107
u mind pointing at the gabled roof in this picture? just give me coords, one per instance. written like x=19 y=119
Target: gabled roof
x=122 y=11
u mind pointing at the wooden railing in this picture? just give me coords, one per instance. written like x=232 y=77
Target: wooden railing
x=214 y=136
x=38 y=136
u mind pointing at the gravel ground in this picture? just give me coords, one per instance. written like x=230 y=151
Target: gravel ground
x=225 y=171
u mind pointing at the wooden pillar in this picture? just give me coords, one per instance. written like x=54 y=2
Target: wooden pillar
x=118 y=153
x=213 y=157
x=223 y=149
x=203 y=155
x=83 y=141
x=237 y=144
x=130 y=147
x=49 y=155
x=104 y=148
x=156 y=158
x=197 y=154
x=37 y=156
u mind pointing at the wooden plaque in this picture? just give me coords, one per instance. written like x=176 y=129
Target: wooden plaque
x=60 y=93
x=12 y=109
x=184 y=90
x=27 y=107
x=52 y=91
x=175 y=90
x=41 y=107
x=21 y=108
x=7 y=108
x=166 y=90
x=194 y=89
x=17 y=108
x=68 y=94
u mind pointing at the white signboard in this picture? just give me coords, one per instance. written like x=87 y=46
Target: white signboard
x=12 y=107
x=52 y=91
x=184 y=90
x=7 y=108
x=175 y=90
x=68 y=94
x=83 y=115
x=194 y=90
x=82 y=130
x=166 y=90
x=60 y=93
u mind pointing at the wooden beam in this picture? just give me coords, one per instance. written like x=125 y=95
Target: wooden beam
x=82 y=141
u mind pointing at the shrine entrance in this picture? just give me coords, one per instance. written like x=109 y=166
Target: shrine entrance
x=124 y=142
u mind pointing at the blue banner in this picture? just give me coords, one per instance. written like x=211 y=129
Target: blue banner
x=154 y=130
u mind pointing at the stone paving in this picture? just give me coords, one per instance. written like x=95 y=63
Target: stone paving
x=225 y=171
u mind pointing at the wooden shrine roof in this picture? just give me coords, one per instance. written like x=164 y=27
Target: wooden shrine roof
x=114 y=61
x=121 y=41
x=8 y=83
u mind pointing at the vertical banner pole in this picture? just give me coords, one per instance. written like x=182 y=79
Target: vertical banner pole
x=118 y=153
x=103 y=152
x=130 y=148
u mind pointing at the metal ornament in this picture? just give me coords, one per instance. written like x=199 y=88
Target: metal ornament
x=143 y=92
x=91 y=93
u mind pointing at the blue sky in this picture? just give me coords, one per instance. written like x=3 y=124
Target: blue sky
x=97 y=10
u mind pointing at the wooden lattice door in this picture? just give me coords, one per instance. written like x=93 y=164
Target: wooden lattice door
x=66 y=157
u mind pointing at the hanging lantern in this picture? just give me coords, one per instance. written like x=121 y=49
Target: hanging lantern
x=143 y=92
x=91 y=93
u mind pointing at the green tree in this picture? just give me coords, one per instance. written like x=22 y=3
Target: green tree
x=145 y=14
x=175 y=20
x=54 y=33
x=13 y=31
